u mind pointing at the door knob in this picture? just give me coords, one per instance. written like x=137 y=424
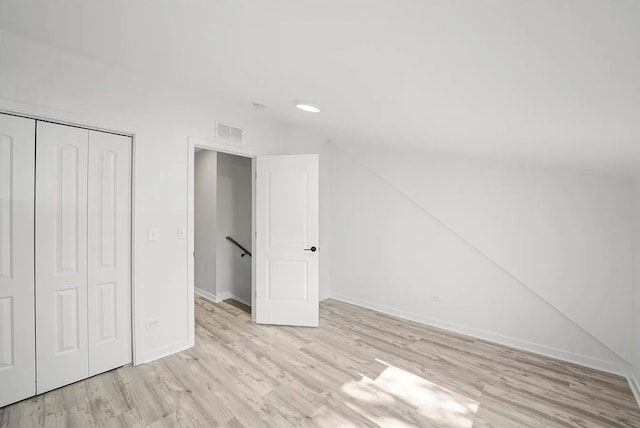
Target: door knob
x=312 y=249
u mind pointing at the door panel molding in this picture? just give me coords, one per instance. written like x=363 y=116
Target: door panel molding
x=6 y=205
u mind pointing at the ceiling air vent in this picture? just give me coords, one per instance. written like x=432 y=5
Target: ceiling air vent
x=229 y=133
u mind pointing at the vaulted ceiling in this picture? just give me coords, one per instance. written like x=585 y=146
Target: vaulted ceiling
x=549 y=80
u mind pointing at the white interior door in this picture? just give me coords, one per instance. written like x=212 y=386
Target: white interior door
x=17 y=328
x=286 y=242
x=61 y=255
x=109 y=264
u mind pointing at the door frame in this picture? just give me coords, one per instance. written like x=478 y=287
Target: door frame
x=231 y=149
x=135 y=359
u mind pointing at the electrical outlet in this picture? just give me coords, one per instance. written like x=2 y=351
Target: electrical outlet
x=182 y=232
x=435 y=299
x=152 y=323
x=153 y=234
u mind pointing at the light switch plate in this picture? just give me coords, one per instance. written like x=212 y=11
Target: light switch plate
x=182 y=232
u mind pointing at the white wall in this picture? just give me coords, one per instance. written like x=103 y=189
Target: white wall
x=36 y=79
x=536 y=257
x=564 y=234
x=205 y=181
x=234 y=219
x=635 y=366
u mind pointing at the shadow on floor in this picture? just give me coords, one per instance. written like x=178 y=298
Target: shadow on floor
x=238 y=305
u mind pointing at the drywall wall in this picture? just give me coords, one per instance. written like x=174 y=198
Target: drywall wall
x=234 y=220
x=635 y=363
x=39 y=80
x=205 y=179
x=563 y=234
x=458 y=242
x=391 y=215
x=398 y=257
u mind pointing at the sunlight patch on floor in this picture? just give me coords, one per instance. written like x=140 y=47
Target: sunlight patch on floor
x=412 y=398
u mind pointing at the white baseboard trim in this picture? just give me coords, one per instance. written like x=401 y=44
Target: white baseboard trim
x=621 y=369
x=202 y=293
x=634 y=385
x=164 y=351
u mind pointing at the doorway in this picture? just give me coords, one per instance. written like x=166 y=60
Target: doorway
x=222 y=227
x=284 y=232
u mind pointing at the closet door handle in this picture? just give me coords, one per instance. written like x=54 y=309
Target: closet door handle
x=312 y=249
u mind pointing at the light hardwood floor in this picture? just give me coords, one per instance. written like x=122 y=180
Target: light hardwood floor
x=360 y=368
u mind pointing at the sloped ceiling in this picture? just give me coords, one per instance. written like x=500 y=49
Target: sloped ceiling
x=553 y=81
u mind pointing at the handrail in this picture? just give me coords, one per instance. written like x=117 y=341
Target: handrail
x=237 y=244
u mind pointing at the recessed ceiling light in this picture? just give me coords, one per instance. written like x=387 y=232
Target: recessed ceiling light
x=307 y=106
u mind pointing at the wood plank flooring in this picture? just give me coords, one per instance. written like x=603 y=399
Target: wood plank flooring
x=360 y=368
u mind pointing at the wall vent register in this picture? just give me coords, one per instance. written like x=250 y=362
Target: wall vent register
x=229 y=134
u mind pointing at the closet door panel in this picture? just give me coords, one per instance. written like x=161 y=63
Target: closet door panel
x=109 y=263
x=61 y=255
x=17 y=314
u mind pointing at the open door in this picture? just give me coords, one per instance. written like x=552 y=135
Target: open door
x=286 y=241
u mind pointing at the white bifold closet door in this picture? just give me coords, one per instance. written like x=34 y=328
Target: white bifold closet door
x=83 y=252
x=61 y=255
x=17 y=323
x=109 y=237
